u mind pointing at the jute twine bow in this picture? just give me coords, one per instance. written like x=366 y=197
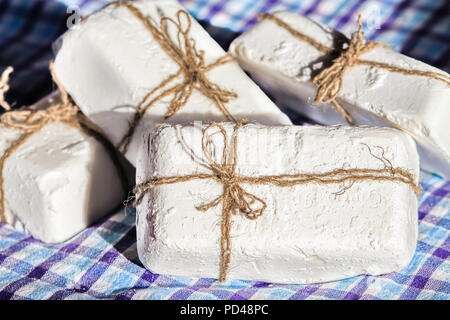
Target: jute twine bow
x=329 y=80
x=31 y=121
x=193 y=70
x=235 y=199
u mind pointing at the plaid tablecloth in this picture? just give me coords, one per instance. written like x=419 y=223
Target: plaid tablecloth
x=101 y=262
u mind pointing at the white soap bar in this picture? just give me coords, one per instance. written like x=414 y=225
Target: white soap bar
x=58 y=182
x=417 y=105
x=307 y=233
x=110 y=62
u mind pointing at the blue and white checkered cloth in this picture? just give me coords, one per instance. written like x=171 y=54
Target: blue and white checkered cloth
x=101 y=262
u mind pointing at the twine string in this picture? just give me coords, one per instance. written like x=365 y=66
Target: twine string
x=192 y=69
x=329 y=80
x=235 y=199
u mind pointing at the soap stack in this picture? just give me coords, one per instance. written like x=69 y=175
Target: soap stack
x=226 y=186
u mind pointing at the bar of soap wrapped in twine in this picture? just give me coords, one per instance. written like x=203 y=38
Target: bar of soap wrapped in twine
x=30 y=121
x=235 y=199
x=329 y=80
x=193 y=70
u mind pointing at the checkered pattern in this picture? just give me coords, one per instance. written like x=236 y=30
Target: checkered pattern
x=101 y=262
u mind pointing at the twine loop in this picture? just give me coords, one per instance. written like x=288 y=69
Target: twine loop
x=4 y=87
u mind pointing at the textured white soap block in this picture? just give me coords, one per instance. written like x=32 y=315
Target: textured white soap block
x=58 y=182
x=417 y=105
x=307 y=233
x=109 y=62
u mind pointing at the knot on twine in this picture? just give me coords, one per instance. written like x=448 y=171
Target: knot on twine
x=329 y=80
x=235 y=199
x=192 y=65
x=192 y=70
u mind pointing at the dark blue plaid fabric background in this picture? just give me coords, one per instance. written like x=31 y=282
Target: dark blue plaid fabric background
x=101 y=262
